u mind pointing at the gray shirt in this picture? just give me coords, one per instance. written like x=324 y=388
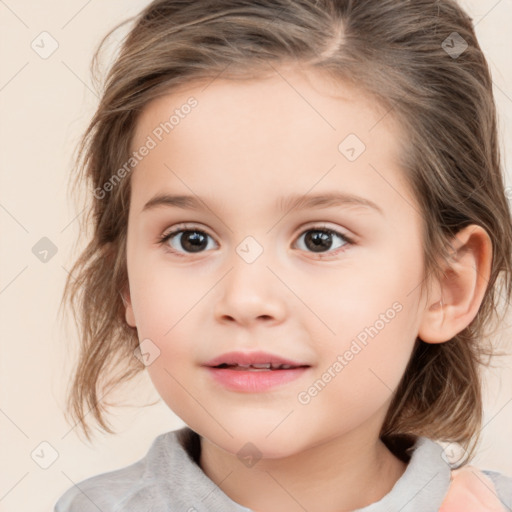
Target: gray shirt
x=169 y=479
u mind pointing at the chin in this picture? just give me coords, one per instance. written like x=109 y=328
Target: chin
x=253 y=441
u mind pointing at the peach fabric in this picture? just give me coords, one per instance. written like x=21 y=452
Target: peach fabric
x=471 y=491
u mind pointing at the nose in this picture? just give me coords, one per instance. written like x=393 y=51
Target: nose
x=251 y=293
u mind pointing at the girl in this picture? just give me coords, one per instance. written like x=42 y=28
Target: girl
x=301 y=232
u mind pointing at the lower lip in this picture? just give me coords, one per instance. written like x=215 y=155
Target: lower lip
x=254 y=381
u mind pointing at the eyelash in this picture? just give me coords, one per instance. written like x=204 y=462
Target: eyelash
x=163 y=239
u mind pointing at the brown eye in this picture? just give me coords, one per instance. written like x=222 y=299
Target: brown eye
x=185 y=241
x=321 y=240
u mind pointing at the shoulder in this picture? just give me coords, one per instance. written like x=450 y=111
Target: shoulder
x=139 y=486
x=430 y=483
x=502 y=484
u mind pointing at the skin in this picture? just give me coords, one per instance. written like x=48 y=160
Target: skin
x=245 y=145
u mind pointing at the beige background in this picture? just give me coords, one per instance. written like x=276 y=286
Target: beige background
x=45 y=105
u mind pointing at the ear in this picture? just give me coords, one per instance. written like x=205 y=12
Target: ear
x=127 y=301
x=458 y=295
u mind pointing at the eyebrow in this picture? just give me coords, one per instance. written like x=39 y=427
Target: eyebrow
x=307 y=201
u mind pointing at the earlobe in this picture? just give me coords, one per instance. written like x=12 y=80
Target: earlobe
x=130 y=317
x=460 y=292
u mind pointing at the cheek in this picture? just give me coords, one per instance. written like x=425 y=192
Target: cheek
x=359 y=374
x=361 y=302
x=162 y=298
x=380 y=351
x=164 y=310
x=172 y=370
x=373 y=318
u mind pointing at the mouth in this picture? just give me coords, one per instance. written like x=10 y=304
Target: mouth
x=253 y=361
x=254 y=372
x=261 y=367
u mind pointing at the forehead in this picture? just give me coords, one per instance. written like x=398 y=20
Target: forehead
x=291 y=130
x=309 y=100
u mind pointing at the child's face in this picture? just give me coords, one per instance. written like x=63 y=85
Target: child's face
x=351 y=311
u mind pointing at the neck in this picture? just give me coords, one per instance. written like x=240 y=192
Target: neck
x=341 y=474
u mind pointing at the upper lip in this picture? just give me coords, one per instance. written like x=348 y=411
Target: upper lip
x=244 y=358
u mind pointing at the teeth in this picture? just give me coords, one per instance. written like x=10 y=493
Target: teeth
x=259 y=366
x=262 y=366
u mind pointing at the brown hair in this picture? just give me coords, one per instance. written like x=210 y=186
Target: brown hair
x=396 y=51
